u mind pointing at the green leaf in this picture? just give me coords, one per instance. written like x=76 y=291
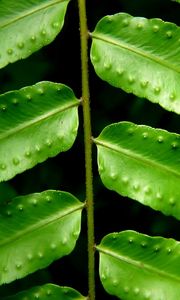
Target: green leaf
x=35 y=230
x=27 y=26
x=134 y=266
x=142 y=163
x=46 y=292
x=36 y=122
x=6 y=191
x=140 y=56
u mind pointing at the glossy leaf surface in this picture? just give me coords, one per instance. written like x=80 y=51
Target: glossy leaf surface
x=142 y=163
x=35 y=230
x=46 y=292
x=36 y=122
x=27 y=26
x=134 y=266
x=140 y=56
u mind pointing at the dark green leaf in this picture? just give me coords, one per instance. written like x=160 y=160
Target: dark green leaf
x=27 y=26
x=36 y=122
x=140 y=56
x=46 y=292
x=142 y=163
x=35 y=230
x=134 y=266
x=6 y=191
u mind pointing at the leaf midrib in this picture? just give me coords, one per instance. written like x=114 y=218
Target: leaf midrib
x=36 y=120
x=138 y=264
x=39 y=225
x=138 y=157
x=136 y=50
x=31 y=12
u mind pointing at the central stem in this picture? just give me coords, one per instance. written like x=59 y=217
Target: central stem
x=88 y=146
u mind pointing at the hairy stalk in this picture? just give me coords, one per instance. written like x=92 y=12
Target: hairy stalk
x=88 y=146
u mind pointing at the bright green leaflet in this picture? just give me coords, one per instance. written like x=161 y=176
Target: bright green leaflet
x=140 y=56
x=36 y=122
x=27 y=26
x=142 y=163
x=134 y=266
x=35 y=230
x=46 y=292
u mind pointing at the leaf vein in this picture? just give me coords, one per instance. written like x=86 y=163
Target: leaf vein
x=138 y=264
x=38 y=226
x=31 y=12
x=36 y=120
x=137 y=51
x=138 y=157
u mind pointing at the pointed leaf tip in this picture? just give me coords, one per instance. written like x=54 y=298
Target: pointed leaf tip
x=142 y=163
x=35 y=230
x=140 y=56
x=134 y=266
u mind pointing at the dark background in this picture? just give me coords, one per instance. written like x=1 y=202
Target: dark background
x=60 y=62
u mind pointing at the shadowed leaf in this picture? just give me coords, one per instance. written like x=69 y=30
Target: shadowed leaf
x=46 y=292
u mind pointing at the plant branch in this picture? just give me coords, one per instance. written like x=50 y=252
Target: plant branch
x=88 y=146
